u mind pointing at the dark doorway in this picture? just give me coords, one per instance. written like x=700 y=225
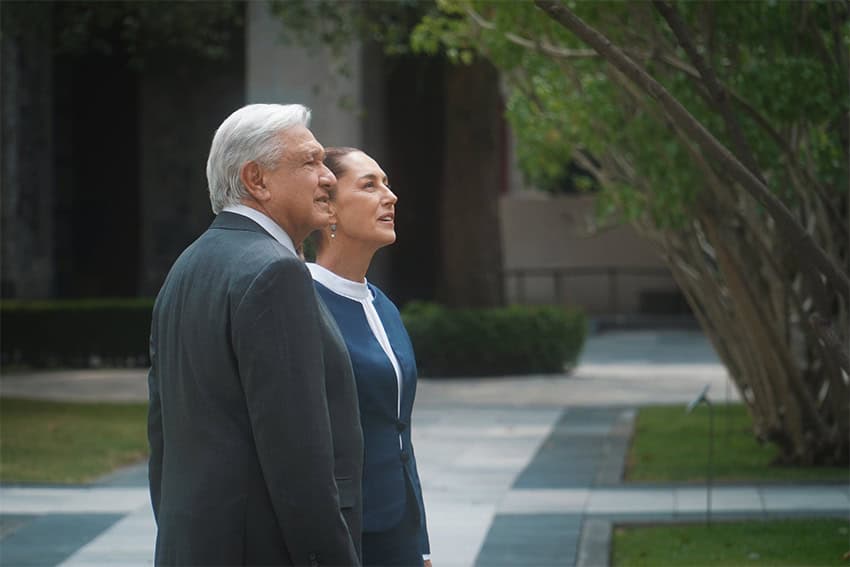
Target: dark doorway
x=97 y=176
x=415 y=118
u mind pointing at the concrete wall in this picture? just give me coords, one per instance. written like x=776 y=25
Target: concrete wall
x=543 y=231
x=280 y=73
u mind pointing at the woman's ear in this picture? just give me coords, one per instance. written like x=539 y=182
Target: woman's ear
x=332 y=210
x=251 y=176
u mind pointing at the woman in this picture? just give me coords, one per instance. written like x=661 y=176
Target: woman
x=362 y=222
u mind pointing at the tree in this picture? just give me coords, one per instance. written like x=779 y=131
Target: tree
x=720 y=130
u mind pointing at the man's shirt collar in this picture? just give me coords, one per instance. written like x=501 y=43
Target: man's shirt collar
x=264 y=221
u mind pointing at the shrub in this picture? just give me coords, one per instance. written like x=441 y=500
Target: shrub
x=494 y=342
x=71 y=332
x=448 y=342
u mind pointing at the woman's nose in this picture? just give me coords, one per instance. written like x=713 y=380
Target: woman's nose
x=390 y=197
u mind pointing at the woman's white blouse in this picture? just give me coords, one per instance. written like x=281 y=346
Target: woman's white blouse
x=359 y=292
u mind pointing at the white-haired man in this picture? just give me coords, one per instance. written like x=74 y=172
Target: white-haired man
x=256 y=446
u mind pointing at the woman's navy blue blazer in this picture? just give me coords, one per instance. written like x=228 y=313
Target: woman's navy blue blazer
x=387 y=463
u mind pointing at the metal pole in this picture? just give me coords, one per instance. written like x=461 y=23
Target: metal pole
x=710 y=458
x=727 y=411
x=709 y=477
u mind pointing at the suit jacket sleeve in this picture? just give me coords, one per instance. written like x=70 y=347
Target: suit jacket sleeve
x=278 y=346
x=424 y=541
x=154 y=433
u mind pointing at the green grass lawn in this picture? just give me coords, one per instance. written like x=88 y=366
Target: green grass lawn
x=68 y=442
x=672 y=446
x=780 y=542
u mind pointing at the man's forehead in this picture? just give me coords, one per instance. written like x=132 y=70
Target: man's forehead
x=304 y=151
x=313 y=147
x=299 y=139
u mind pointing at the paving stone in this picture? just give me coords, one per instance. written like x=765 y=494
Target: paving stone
x=630 y=501
x=134 y=475
x=574 y=451
x=642 y=347
x=725 y=499
x=96 y=500
x=128 y=543
x=530 y=501
x=9 y=523
x=805 y=498
x=48 y=540
x=531 y=540
x=594 y=549
x=457 y=528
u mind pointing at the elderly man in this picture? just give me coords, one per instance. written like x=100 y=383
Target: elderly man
x=256 y=447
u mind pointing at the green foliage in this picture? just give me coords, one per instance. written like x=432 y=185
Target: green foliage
x=809 y=542
x=783 y=59
x=70 y=333
x=69 y=442
x=672 y=446
x=494 y=342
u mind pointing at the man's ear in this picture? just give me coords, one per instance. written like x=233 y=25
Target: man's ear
x=251 y=176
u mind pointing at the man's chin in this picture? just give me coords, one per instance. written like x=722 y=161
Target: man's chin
x=321 y=220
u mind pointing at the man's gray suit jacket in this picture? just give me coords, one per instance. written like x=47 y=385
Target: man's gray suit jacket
x=254 y=427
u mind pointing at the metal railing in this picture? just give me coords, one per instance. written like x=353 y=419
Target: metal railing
x=559 y=275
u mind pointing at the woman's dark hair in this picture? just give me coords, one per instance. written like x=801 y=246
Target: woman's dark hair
x=333 y=159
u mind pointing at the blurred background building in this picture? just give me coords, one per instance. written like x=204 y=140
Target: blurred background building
x=105 y=134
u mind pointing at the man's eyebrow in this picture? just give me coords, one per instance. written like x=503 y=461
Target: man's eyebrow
x=313 y=152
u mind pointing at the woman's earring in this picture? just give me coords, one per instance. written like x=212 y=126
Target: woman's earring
x=333 y=231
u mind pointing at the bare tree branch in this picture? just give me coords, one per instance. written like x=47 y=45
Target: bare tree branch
x=720 y=100
x=719 y=95
x=540 y=46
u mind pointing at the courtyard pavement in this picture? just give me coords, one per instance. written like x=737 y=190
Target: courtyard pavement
x=522 y=471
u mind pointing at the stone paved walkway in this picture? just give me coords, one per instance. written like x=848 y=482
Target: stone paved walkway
x=521 y=471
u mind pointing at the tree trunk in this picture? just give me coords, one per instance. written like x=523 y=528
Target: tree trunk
x=771 y=291
x=473 y=177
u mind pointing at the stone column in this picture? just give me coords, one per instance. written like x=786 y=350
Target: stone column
x=282 y=73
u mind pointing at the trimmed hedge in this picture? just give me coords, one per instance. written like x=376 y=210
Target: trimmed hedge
x=448 y=342
x=494 y=342
x=73 y=332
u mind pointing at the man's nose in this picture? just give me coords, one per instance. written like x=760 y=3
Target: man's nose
x=327 y=179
